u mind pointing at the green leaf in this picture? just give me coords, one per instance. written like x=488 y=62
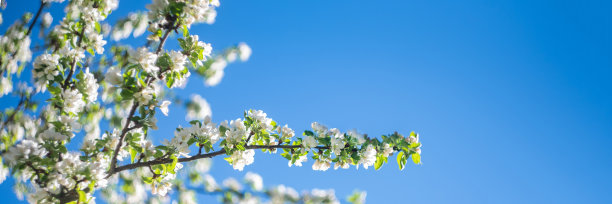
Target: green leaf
x=378 y=163
x=401 y=161
x=172 y=165
x=416 y=158
x=308 y=133
x=82 y=197
x=133 y=154
x=147 y=180
x=54 y=90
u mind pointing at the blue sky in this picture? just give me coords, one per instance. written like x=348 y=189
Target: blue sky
x=512 y=99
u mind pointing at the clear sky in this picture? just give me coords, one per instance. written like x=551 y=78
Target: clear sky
x=512 y=99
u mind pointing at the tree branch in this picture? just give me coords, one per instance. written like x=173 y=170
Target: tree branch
x=42 y=6
x=201 y=156
x=74 y=61
x=113 y=168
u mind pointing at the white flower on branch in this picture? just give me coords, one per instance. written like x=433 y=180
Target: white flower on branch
x=202 y=165
x=145 y=59
x=164 y=107
x=6 y=86
x=92 y=15
x=319 y=128
x=187 y=197
x=245 y=51
x=254 y=180
x=23 y=151
x=242 y=158
x=73 y=101
x=198 y=108
x=387 y=150
x=178 y=61
x=368 y=157
x=299 y=160
x=286 y=132
x=161 y=188
x=3 y=173
x=235 y=132
x=321 y=164
x=145 y=96
x=47 y=19
x=309 y=142
x=91 y=86
x=71 y=122
x=215 y=72
x=337 y=141
x=262 y=119
x=46 y=67
x=344 y=165
x=98 y=42
x=232 y=183
x=51 y=135
x=413 y=139
x=74 y=54
x=210 y=184
x=113 y=76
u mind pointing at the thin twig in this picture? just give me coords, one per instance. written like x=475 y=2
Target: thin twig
x=201 y=156
x=113 y=167
x=74 y=61
x=42 y=6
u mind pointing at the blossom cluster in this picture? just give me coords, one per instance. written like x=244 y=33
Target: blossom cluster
x=86 y=83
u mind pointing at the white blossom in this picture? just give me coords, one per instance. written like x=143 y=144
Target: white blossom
x=75 y=54
x=6 y=86
x=356 y=135
x=236 y=132
x=178 y=61
x=98 y=42
x=51 y=134
x=232 y=183
x=145 y=59
x=242 y=158
x=46 y=67
x=321 y=164
x=262 y=119
x=254 y=180
x=23 y=151
x=161 y=188
x=113 y=76
x=3 y=173
x=73 y=101
x=202 y=165
x=71 y=122
x=164 y=107
x=210 y=184
x=299 y=160
x=319 y=128
x=368 y=157
x=91 y=86
x=286 y=132
x=245 y=51
x=187 y=197
x=215 y=72
x=309 y=142
x=198 y=109
x=387 y=150
x=413 y=139
x=47 y=19
x=145 y=96
x=92 y=15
